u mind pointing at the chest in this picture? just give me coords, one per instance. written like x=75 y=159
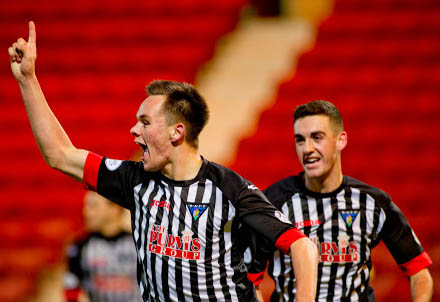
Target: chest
x=181 y=221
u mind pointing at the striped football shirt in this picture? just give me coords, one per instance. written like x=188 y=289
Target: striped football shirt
x=345 y=225
x=189 y=234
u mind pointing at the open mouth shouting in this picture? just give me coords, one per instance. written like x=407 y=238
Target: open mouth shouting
x=145 y=152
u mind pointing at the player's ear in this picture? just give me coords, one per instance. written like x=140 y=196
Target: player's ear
x=341 y=140
x=177 y=132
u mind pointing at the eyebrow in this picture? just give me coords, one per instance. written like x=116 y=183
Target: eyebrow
x=142 y=117
x=313 y=133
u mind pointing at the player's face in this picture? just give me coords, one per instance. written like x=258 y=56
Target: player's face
x=318 y=146
x=152 y=133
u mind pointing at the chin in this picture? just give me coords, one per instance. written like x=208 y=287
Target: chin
x=314 y=173
x=150 y=168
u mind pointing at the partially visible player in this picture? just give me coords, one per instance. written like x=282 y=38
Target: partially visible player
x=345 y=217
x=101 y=264
x=187 y=212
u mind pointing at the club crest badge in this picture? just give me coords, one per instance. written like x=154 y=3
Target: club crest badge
x=349 y=216
x=112 y=164
x=197 y=209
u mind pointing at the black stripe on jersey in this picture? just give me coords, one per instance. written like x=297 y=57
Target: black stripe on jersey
x=179 y=270
x=376 y=218
x=208 y=248
x=221 y=259
x=306 y=213
x=142 y=216
x=306 y=231
x=335 y=231
x=195 y=225
x=159 y=215
x=347 y=266
x=165 y=266
x=320 y=235
x=363 y=244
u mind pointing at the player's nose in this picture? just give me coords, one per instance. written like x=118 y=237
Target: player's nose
x=135 y=130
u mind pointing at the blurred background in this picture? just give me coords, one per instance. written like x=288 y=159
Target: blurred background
x=254 y=61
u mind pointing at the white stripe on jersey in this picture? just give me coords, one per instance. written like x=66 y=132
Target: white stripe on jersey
x=215 y=243
x=159 y=260
x=327 y=235
x=174 y=230
x=151 y=221
x=201 y=230
x=186 y=276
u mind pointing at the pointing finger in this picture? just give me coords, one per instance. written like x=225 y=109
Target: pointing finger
x=32 y=33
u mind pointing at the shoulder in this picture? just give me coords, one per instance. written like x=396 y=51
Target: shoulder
x=224 y=177
x=228 y=181
x=124 y=170
x=284 y=188
x=379 y=196
x=112 y=165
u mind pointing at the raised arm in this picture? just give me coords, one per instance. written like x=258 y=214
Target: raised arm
x=304 y=255
x=53 y=142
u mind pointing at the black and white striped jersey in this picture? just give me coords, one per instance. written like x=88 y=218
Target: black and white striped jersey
x=345 y=225
x=104 y=267
x=188 y=234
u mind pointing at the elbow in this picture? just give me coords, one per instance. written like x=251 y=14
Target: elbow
x=53 y=162
x=56 y=159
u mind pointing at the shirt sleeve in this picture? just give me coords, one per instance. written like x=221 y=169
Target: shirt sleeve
x=91 y=170
x=112 y=178
x=402 y=242
x=261 y=216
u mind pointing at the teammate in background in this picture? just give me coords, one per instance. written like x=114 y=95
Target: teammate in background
x=186 y=212
x=343 y=216
x=101 y=264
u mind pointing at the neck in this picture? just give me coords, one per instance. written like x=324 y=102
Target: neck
x=325 y=183
x=185 y=164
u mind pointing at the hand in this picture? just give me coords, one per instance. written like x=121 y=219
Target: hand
x=23 y=55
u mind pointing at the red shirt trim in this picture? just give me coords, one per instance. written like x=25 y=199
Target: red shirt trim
x=287 y=238
x=256 y=278
x=72 y=294
x=91 y=169
x=416 y=264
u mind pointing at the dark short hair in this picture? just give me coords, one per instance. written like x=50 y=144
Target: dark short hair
x=183 y=104
x=319 y=107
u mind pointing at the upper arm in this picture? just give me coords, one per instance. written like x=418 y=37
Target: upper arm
x=402 y=242
x=73 y=162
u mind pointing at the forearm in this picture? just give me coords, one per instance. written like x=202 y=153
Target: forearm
x=305 y=265
x=53 y=142
x=421 y=286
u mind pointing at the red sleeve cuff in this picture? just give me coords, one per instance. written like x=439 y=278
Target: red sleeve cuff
x=287 y=238
x=72 y=294
x=256 y=278
x=416 y=264
x=91 y=169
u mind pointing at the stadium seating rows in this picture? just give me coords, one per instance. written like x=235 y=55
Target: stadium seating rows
x=379 y=62
x=94 y=61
